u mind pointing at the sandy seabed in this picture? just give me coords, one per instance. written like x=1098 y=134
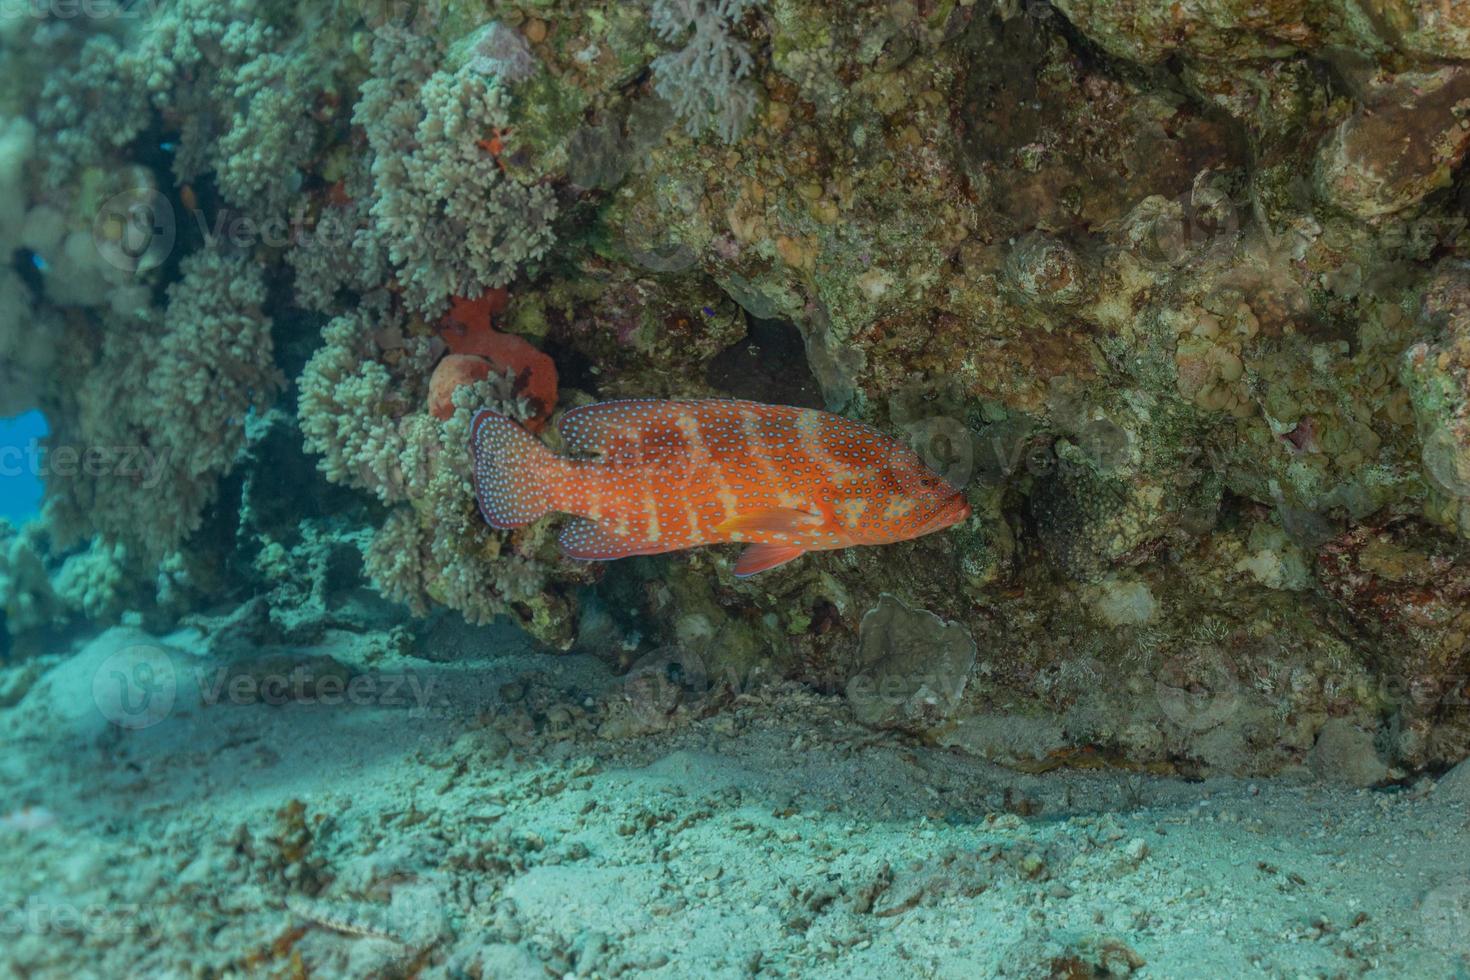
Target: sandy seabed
x=350 y=810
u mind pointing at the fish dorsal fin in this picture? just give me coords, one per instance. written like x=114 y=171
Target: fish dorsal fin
x=759 y=557
x=653 y=425
x=774 y=520
x=637 y=433
x=591 y=541
x=591 y=429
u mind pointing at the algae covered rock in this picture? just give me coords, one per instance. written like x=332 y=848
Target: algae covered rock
x=1410 y=591
x=1402 y=143
x=1437 y=374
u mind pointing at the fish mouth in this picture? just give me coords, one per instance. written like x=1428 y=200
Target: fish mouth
x=954 y=510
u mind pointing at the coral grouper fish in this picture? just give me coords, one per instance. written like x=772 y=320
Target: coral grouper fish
x=644 y=477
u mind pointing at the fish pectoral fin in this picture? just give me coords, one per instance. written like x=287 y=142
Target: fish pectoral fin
x=759 y=557
x=590 y=541
x=775 y=520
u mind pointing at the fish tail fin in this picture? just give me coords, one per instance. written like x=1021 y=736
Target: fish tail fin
x=514 y=474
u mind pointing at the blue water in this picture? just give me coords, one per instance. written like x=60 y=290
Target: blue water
x=20 y=484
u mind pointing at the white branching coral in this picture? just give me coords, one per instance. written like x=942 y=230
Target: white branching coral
x=450 y=222
x=707 y=78
x=259 y=158
x=93 y=109
x=331 y=256
x=99 y=582
x=440 y=550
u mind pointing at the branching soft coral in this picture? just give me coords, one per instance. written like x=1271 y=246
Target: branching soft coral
x=441 y=551
x=361 y=398
x=363 y=408
x=450 y=221
x=166 y=405
x=707 y=78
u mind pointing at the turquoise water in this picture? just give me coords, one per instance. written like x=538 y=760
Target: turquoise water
x=20 y=484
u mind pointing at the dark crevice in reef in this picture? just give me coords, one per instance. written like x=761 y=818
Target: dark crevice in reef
x=574 y=369
x=26 y=265
x=768 y=365
x=154 y=150
x=295 y=335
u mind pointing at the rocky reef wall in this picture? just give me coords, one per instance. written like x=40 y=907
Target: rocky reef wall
x=1179 y=292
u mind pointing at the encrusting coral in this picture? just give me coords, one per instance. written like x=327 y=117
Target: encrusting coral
x=477 y=349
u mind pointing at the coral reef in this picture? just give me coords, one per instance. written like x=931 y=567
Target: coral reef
x=162 y=410
x=1177 y=291
x=364 y=408
x=450 y=221
x=1168 y=358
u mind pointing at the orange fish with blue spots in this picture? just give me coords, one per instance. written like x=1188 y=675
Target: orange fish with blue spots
x=646 y=477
